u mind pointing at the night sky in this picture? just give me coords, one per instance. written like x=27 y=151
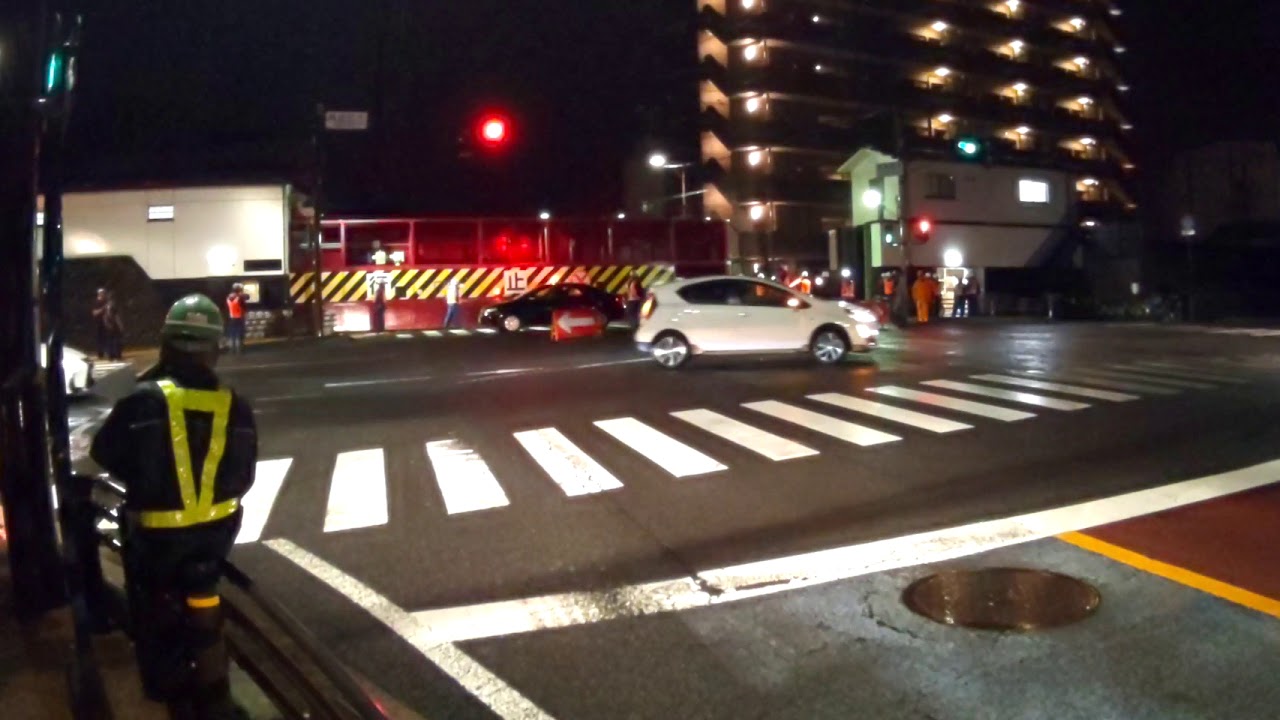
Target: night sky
x=219 y=89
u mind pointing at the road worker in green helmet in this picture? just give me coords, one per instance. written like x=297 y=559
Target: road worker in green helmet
x=184 y=447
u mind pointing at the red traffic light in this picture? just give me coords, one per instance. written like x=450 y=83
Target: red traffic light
x=494 y=130
x=923 y=226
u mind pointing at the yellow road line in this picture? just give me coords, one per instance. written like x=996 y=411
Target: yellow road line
x=1226 y=591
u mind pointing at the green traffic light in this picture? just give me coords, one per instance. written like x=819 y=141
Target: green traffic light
x=968 y=148
x=53 y=74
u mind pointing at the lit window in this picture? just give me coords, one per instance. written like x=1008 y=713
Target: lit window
x=944 y=118
x=159 y=213
x=1084 y=101
x=1016 y=47
x=939 y=26
x=1022 y=130
x=1081 y=62
x=1089 y=182
x=1012 y=5
x=40 y=219
x=755 y=157
x=1033 y=191
x=1076 y=22
x=1019 y=88
x=1087 y=141
x=942 y=71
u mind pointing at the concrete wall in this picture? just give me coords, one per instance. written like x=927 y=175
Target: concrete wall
x=213 y=232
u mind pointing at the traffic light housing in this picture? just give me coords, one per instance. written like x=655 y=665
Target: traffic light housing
x=921 y=229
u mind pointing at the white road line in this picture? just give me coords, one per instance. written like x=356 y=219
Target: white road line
x=432 y=333
x=889 y=412
x=1010 y=395
x=774 y=447
x=257 y=503
x=357 y=491
x=664 y=451
x=970 y=407
x=1149 y=378
x=1181 y=371
x=405 y=336
x=1086 y=378
x=847 y=431
x=478 y=680
x=487 y=331
x=459 y=332
x=569 y=467
x=466 y=483
x=752 y=580
x=1057 y=387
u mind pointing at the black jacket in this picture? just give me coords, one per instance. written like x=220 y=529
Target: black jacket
x=134 y=446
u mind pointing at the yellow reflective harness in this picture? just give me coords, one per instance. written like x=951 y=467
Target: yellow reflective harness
x=198 y=508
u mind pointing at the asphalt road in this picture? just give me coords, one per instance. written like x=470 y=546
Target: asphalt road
x=458 y=489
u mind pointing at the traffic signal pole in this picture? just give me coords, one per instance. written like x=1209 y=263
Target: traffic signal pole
x=901 y=301
x=34 y=560
x=315 y=229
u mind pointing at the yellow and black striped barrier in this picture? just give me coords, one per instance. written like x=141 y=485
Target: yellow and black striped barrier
x=473 y=282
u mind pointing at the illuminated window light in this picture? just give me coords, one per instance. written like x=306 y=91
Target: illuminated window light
x=1081 y=61
x=1019 y=87
x=1022 y=130
x=748 y=4
x=1076 y=22
x=159 y=213
x=944 y=118
x=1087 y=141
x=40 y=219
x=751 y=52
x=753 y=105
x=1089 y=181
x=1012 y=5
x=942 y=71
x=1084 y=100
x=1120 y=49
x=1016 y=46
x=755 y=157
x=756 y=212
x=1116 y=12
x=939 y=26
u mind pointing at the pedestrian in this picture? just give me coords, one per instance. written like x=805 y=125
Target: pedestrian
x=236 y=301
x=922 y=294
x=635 y=297
x=379 y=319
x=108 y=326
x=451 y=297
x=972 y=294
x=184 y=448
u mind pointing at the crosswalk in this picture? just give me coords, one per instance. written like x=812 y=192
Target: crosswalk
x=687 y=444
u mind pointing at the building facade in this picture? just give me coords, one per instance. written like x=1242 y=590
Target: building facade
x=1222 y=184
x=790 y=89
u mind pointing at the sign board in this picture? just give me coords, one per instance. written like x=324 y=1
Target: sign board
x=516 y=280
x=576 y=323
x=379 y=278
x=346 y=120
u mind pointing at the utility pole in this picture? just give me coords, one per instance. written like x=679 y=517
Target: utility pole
x=315 y=229
x=902 y=291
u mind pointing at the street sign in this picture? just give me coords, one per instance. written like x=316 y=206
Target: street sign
x=516 y=280
x=576 y=323
x=346 y=120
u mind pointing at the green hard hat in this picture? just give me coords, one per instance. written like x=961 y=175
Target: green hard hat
x=194 y=323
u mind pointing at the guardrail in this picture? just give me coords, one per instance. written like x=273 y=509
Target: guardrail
x=302 y=680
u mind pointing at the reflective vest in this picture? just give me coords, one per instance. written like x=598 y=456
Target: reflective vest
x=235 y=306
x=198 y=507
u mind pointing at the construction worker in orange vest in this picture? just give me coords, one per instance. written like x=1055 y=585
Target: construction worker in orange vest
x=235 y=318
x=922 y=294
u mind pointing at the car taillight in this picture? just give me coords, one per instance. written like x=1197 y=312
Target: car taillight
x=650 y=304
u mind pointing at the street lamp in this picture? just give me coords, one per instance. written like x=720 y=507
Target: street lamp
x=660 y=161
x=872 y=198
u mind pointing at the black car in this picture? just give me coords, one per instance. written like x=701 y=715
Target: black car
x=536 y=306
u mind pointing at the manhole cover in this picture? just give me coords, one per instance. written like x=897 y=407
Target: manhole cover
x=1002 y=599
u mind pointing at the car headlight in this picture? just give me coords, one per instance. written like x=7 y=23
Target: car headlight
x=862 y=315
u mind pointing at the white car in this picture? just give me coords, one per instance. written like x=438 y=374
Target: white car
x=727 y=314
x=77 y=371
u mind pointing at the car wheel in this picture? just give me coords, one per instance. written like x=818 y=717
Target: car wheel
x=671 y=351
x=829 y=346
x=511 y=323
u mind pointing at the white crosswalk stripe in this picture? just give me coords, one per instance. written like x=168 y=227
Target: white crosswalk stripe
x=569 y=467
x=257 y=503
x=1181 y=371
x=889 y=412
x=1113 y=384
x=1148 y=378
x=102 y=369
x=459 y=331
x=432 y=333
x=1057 y=387
x=968 y=407
x=357 y=491
x=1024 y=398
x=466 y=483
x=662 y=450
x=774 y=447
x=836 y=428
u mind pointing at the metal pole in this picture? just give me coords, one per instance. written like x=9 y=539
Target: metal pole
x=316 y=229
x=902 y=292
x=24 y=484
x=684 y=194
